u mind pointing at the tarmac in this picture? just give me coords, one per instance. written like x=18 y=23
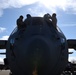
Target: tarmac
x=4 y=72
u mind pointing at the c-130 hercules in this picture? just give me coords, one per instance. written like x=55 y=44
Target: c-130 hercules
x=38 y=49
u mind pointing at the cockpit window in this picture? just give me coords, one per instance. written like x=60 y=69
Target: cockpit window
x=59 y=30
x=15 y=30
x=37 y=21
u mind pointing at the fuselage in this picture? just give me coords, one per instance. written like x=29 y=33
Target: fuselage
x=37 y=49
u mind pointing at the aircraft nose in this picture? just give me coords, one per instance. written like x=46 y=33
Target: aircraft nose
x=38 y=54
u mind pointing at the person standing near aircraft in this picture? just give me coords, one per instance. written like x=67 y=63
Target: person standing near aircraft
x=27 y=21
x=20 y=22
x=54 y=20
x=47 y=18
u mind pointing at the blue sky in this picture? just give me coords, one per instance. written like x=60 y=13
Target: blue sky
x=10 y=10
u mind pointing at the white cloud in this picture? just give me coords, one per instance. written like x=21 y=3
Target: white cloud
x=72 y=58
x=15 y=3
x=2 y=29
x=1 y=60
x=4 y=37
x=52 y=5
x=71 y=50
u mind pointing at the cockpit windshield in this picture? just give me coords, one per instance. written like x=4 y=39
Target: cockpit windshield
x=37 y=21
x=59 y=30
x=15 y=30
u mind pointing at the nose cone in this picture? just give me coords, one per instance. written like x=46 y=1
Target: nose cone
x=38 y=55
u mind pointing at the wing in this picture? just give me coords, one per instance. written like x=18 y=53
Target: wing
x=3 y=44
x=71 y=44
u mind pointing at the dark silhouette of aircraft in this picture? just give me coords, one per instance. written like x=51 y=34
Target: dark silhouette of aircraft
x=38 y=49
